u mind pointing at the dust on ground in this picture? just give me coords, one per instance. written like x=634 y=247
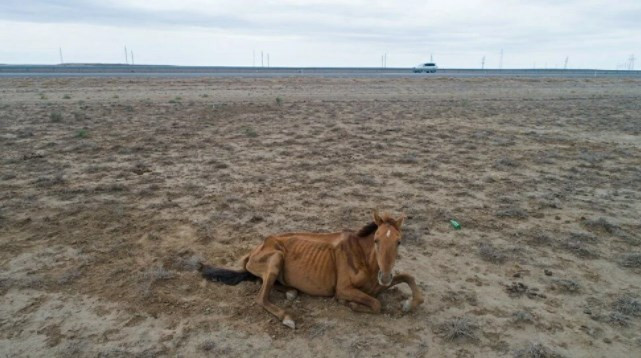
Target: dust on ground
x=112 y=190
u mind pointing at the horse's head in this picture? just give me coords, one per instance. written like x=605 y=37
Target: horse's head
x=386 y=240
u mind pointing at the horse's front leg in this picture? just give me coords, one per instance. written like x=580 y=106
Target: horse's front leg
x=358 y=300
x=417 y=296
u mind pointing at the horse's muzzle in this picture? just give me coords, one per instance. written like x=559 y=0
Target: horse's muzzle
x=384 y=279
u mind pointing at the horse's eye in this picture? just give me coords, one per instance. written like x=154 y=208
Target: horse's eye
x=376 y=241
x=398 y=243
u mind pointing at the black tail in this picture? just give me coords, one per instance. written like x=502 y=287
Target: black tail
x=228 y=277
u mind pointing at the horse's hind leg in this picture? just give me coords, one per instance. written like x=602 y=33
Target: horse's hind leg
x=271 y=269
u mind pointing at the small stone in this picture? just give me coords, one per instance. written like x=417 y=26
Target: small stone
x=518 y=274
x=547 y=272
x=587 y=311
x=607 y=340
x=557 y=218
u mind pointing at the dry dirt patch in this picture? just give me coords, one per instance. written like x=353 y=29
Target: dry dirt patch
x=112 y=190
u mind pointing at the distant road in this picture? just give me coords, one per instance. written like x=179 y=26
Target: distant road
x=203 y=71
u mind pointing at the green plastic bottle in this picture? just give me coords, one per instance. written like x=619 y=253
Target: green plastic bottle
x=455 y=224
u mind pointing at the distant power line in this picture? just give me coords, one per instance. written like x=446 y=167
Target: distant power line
x=628 y=64
x=384 y=60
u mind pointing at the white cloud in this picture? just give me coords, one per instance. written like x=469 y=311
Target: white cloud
x=323 y=33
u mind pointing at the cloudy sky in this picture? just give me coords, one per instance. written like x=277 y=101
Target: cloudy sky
x=534 y=33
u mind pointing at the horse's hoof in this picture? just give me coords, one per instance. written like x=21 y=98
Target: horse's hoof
x=291 y=294
x=289 y=323
x=407 y=305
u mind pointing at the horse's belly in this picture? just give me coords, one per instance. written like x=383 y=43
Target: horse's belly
x=315 y=280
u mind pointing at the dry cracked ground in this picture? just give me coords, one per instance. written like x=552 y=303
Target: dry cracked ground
x=112 y=190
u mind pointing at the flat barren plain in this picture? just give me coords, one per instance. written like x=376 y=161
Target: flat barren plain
x=112 y=190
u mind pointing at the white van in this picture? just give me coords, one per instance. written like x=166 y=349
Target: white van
x=428 y=67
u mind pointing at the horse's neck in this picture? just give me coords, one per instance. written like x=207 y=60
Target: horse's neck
x=367 y=245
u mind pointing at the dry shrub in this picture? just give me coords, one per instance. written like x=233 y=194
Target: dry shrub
x=536 y=350
x=627 y=305
x=459 y=328
x=491 y=254
x=632 y=260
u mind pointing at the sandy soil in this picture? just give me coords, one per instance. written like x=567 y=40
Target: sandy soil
x=112 y=190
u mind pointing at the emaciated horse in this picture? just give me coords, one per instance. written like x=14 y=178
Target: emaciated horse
x=351 y=266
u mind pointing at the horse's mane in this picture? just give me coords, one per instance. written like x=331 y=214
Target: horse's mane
x=367 y=230
x=372 y=227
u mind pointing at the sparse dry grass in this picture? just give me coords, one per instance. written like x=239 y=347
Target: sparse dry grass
x=540 y=178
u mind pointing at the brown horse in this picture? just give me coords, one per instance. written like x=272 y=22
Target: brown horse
x=351 y=266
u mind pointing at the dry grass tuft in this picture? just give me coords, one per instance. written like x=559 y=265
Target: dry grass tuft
x=631 y=260
x=540 y=238
x=459 y=328
x=601 y=224
x=627 y=305
x=565 y=285
x=514 y=212
x=618 y=319
x=491 y=254
x=536 y=350
x=522 y=317
x=207 y=345
x=579 y=248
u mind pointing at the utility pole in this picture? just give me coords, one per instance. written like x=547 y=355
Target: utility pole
x=483 y=62
x=126 y=60
x=268 y=59
x=631 y=62
x=431 y=58
x=61 y=61
x=132 y=56
x=253 y=58
x=501 y=61
x=565 y=65
x=262 y=64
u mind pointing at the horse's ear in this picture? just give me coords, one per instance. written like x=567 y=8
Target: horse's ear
x=376 y=217
x=399 y=221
